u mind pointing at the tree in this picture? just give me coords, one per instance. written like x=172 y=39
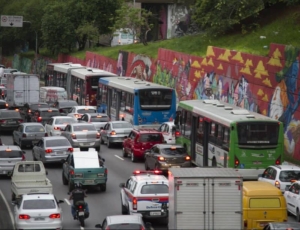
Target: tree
x=218 y=16
x=134 y=19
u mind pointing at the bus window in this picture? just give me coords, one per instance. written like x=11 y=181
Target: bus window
x=199 y=137
x=127 y=102
x=187 y=124
x=226 y=137
x=155 y=99
x=114 y=99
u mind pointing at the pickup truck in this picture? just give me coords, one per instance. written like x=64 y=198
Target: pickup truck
x=29 y=177
x=85 y=168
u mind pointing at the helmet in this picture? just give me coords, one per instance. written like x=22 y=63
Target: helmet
x=77 y=185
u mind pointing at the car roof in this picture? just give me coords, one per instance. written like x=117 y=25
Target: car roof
x=164 y=146
x=54 y=138
x=144 y=131
x=31 y=123
x=12 y=147
x=46 y=109
x=118 y=219
x=35 y=196
x=285 y=225
x=286 y=167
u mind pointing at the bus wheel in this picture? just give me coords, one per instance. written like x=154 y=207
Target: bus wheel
x=214 y=162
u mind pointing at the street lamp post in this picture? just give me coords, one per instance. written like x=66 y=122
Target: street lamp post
x=36 y=37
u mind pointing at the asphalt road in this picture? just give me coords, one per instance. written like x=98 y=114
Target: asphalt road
x=101 y=204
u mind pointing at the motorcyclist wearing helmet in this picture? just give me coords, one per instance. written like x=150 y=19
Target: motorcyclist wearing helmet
x=78 y=194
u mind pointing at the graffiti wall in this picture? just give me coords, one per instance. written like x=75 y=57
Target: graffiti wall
x=101 y=62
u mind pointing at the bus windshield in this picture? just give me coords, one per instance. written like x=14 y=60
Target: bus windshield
x=155 y=99
x=258 y=133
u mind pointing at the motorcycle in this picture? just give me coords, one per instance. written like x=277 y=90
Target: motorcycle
x=80 y=212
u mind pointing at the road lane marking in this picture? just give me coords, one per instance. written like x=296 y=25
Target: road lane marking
x=119 y=157
x=8 y=208
x=67 y=201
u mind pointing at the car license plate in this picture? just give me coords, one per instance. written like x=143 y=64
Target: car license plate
x=89 y=181
x=34 y=142
x=11 y=122
x=85 y=144
x=175 y=166
x=257 y=162
x=81 y=214
x=61 y=152
x=39 y=218
x=155 y=213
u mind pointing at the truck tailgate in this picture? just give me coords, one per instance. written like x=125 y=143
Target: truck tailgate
x=91 y=176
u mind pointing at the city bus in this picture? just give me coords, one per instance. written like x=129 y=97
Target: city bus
x=80 y=82
x=217 y=134
x=142 y=103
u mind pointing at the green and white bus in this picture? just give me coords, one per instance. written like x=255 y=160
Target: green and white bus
x=222 y=135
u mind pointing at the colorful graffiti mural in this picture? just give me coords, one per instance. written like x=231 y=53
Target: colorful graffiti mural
x=101 y=62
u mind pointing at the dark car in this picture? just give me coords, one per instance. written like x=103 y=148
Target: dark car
x=43 y=115
x=10 y=120
x=282 y=225
x=1 y=142
x=3 y=104
x=164 y=156
x=27 y=111
x=64 y=106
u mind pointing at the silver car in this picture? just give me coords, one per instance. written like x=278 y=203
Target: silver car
x=82 y=135
x=28 y=134
x=97 y=119
x=52 y=149
x=114 y=132
x=9 y=155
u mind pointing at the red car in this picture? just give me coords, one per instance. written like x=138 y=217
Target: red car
x=138 y=141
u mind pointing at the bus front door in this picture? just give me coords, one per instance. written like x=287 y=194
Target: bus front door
x=206 y=132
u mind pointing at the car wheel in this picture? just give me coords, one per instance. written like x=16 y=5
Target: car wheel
x=133 y=158
x=124 y=152
x=124 y=209
x=108 y=143
x=103 y=187
x=64 y=180
x=101 y=141
x=297 y=215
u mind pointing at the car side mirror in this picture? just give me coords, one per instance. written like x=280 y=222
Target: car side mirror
x=10 y=173
x=122 y=185
x=23 y=152
x=98 y=226
x=61 y=201
x=101 y=128
x=78 y=119
x=103 y=159
x=287 y=188
x=14 y=202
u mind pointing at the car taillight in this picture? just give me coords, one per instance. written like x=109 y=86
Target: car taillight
x=80 y=207
x=48 y=151
x=39 y=119
x=54 y=216
x=24 y=135
x=24 y=217
x=113 y=132
x=187 y=158
x=61 y=111
x=23 y=157
x=142 y=228
x=56 y=128
x=107 y=228
x=177 y=134
x=29 y=111
x=6 y=105
x=161 y=158
x=71 y=172
x=73 y=136
x=46 y=134
x=20 y=120
x=278 y=161
x=236 y=162
x=245 y=224
x=70 y=149
x=134 y=203
x=98 y=135
x=77 y=115
x=2 y=121
x=106 y=171
x=277 y=184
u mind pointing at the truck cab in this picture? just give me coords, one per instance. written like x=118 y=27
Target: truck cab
x=86 y=168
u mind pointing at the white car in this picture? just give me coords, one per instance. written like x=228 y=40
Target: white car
x=281 y=176
x=77 y=111
x=168 y=130
x=143 y=190
x=292 y=198
x=38 y=211
x=57 y=123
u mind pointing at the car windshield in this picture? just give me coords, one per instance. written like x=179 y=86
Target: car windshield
x=125 y=226
x=34 y=128
x=39 y=204
x=10 y=114
x=173 y=151
x=10 y=154
x=57 y=143
x=155 y=189
x=63 y=121
x=288 y=175
x=122 y=125
x=37 y=106
x=150 y=137
x=82 y=111
x=50 y=113
x=84 y=128
x=99 y=119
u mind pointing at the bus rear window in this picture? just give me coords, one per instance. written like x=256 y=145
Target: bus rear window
x=264 y=203
x=155 y=99
x=260 y=133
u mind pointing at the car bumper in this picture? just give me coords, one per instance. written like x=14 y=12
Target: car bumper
x=85 y=144
x=116 y=140
x=55 y=158
x=55 y=133
x=5 y=170
x=147 y=214
x=166 y=166
x=9 y=127
x=42 y=225
x=90 y=181
x=29 y=141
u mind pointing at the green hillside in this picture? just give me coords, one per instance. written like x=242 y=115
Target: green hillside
x=278 y=24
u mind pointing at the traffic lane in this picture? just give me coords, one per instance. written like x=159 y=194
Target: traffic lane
x=6 y=216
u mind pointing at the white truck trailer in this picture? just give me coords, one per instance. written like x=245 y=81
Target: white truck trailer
x=205 y=198
x=22 y=88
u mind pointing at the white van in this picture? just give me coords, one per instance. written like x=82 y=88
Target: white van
x=122 y=37
x=50 y=94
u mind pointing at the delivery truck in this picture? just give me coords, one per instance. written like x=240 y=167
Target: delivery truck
x=205 y=198
x=22 y=88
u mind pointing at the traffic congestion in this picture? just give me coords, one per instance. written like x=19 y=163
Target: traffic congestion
x=94 y=150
